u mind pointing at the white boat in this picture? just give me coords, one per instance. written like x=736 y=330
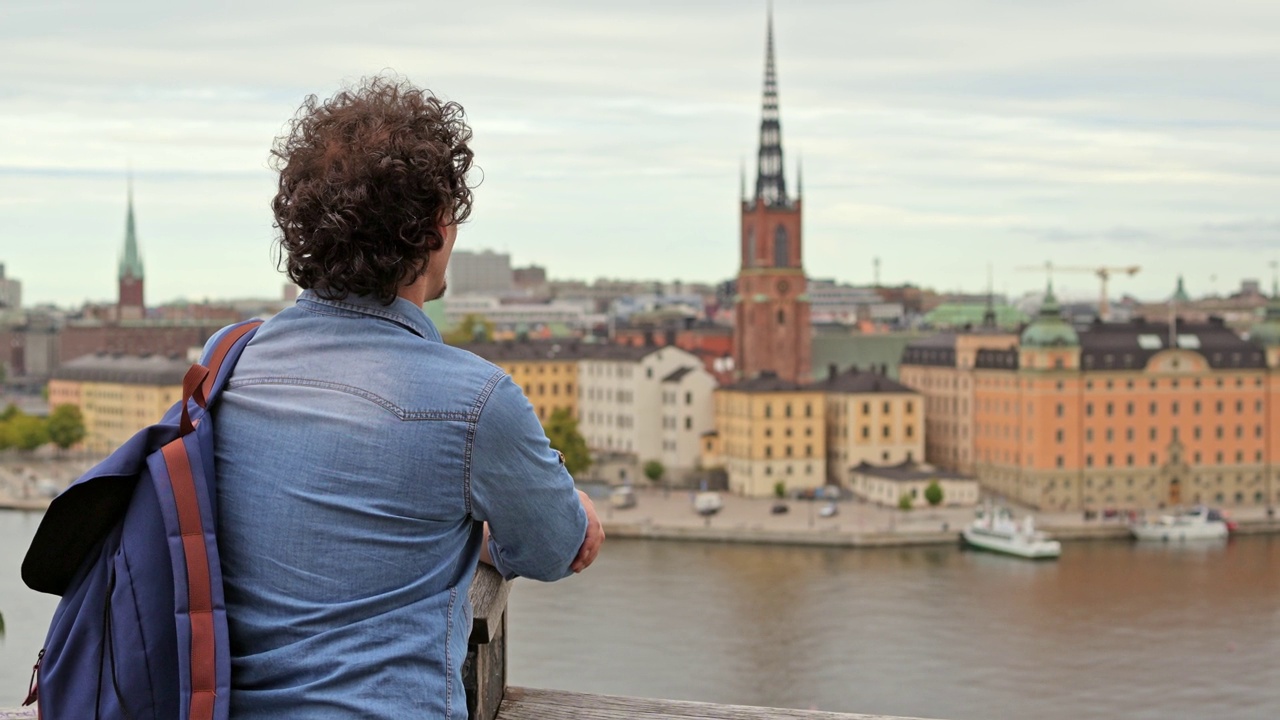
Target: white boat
x=999 y=532
x=1199 y=523
x=707 y=503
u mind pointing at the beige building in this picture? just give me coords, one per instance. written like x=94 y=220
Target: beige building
x=887 y=485
x=872 y=420
x=941 y=369
x=547 y=371
x=770 y=430
x=118 y=395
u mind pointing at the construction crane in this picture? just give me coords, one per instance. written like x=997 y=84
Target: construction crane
x=1104 y=274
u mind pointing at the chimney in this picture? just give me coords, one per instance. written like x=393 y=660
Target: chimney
x=832 y=371
x=648 y=339
x=671 y=337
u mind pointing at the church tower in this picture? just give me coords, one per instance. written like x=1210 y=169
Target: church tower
x=771 y=313
x=130 y=300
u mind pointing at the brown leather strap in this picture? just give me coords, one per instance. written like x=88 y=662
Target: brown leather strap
x=192 y=388
x=199 y=581
x=221 y=350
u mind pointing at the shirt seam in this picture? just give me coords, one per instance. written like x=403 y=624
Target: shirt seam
x=481 y=401
x=399 y=412
x=448 y=655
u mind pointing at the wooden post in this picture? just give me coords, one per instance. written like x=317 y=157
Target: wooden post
x=484 y=673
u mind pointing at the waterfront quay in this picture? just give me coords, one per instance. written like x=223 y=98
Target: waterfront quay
x=669 y=515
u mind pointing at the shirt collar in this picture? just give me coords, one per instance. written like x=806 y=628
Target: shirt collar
x=400 y=311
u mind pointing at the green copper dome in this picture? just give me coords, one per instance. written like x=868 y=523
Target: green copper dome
x=1267 y=332
x=1049 y=329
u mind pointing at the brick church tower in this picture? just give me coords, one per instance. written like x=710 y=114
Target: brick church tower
x=771 y=313
x=130 y=304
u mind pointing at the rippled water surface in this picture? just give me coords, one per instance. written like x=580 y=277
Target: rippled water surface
x=1112 y=630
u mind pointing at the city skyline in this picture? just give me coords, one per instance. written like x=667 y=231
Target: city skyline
x=937 y=137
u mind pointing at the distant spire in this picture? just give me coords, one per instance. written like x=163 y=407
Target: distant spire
x=989 y=317
x=771 y=183
x=742 y=180
x=1050 y=304
x=131 y=260
x=1180 y=293
x=799 y=177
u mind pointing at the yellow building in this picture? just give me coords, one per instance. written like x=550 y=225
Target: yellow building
x=870 y=420
x=547 y=371
x=771 y=431
x=118 y=395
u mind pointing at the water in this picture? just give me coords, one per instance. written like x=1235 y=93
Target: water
x=1111 y=630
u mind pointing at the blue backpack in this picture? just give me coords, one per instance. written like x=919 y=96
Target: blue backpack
x=141 y=630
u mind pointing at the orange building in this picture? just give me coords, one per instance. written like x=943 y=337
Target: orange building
x=1128 y=415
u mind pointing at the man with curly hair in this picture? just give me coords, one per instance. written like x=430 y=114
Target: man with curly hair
x=363 y=466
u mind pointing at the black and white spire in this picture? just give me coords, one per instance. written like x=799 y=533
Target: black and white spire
x=771 y=183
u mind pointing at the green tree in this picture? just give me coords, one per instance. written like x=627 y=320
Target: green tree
x=780 y=490
x=562 y=431
x=66 y=426
x=904 y=501
x=10 y=413
x=27 y=432
x=933 y=493
x=473 y=328
x=654 y=471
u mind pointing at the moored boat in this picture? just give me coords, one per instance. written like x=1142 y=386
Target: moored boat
x=1199 y=523
x=996 y=530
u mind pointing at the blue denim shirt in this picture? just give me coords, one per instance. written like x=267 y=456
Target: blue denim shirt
x=357 y=456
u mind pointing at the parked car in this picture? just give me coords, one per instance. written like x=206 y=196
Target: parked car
x=779 y=508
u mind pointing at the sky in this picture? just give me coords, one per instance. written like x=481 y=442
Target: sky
x=942 y=137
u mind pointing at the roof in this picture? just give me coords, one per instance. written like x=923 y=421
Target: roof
x=1050 y=329
x=556 y=351
x=1131 y=345
x=854 y=381
x=678 y=374
x=908 y=471
x=769 y=382
x=937 y=349
x=125 y=369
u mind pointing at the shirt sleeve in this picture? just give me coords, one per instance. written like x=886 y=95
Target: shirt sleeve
x=519 y=485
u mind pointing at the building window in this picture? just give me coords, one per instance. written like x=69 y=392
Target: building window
x=768 y=410
x=1060 y=410
x=1088 y=409
x=782 y=318
x=1059 y=435
x=911 y=431
x=1060 y=461
x=1088 y=435
x=688 y=423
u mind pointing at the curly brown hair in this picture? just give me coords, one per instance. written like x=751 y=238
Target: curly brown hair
x=367 y=179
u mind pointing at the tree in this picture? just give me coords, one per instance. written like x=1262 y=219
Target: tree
x=562 y=431
x=27 y=432
x=654 y=471
x=66 y=426
x=780 y=490
x=10 y=413
x=904 y=501
x=473 y=328
x=933 y=493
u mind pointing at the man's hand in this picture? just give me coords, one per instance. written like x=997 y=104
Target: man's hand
x=595 y=536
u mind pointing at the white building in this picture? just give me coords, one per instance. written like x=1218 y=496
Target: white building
x=688 y=411
x=621 y=409
x=511 y=316
x=886 y=485
x=847 y=304
x=484 y=272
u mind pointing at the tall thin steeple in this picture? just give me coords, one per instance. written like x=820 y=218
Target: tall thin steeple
x=131 y=260
x=771 y=183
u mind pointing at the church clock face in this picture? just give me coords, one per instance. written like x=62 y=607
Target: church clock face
x=783 y=287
